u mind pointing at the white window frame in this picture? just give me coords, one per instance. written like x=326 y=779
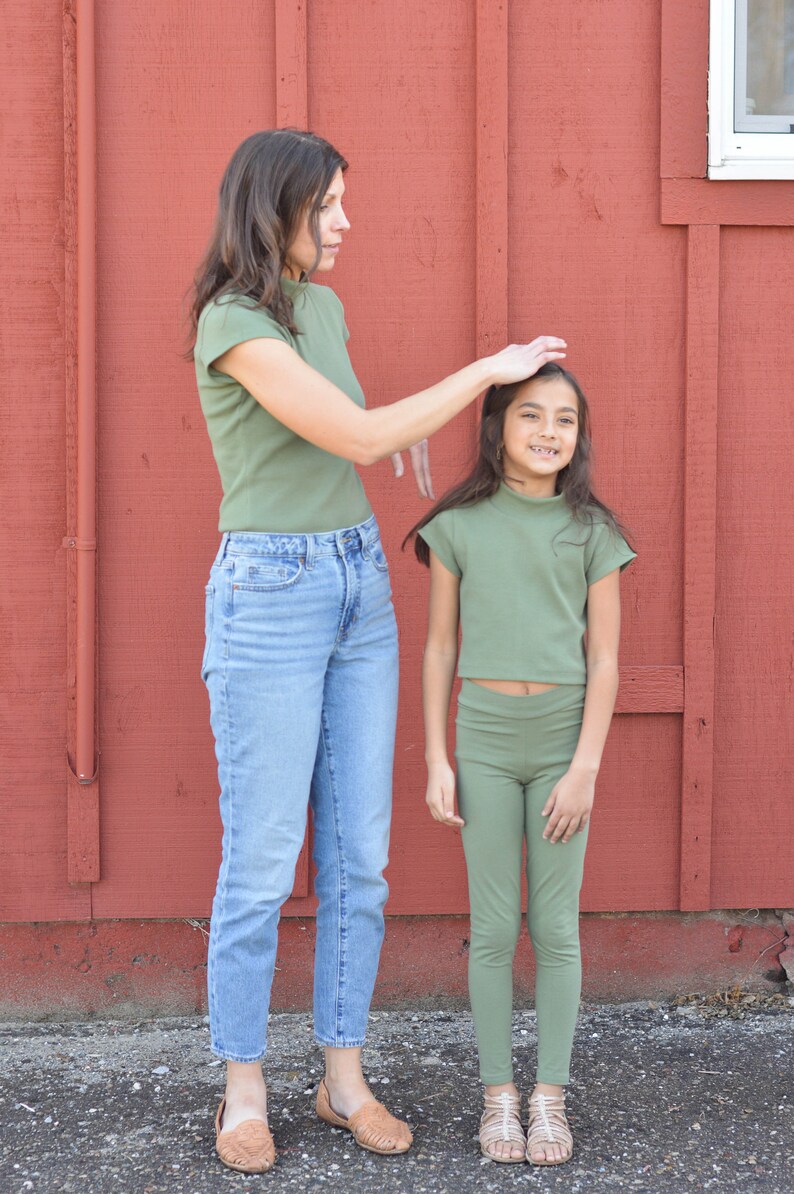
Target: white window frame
x=732 y=154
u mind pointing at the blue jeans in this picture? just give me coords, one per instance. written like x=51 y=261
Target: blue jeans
x=301 y=667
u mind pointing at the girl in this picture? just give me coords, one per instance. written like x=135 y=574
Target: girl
x=301 y=646
x=524 y=555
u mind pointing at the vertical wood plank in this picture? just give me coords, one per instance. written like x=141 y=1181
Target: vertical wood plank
x=753 y=817
x=683 y=151
x=69 y=215
x=700 y=525
x=33 y=804
x=492 y=91
x=292 y=80
x=292 y=111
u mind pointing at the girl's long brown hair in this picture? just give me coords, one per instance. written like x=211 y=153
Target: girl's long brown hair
x=575 y=480
x=273 y=179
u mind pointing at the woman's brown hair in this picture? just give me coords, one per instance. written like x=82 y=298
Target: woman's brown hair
x=575 y=480
x=273 y=179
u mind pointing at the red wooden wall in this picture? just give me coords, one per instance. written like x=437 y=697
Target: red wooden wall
x=515 y=168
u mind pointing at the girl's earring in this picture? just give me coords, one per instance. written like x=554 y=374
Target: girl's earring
x=499 y=453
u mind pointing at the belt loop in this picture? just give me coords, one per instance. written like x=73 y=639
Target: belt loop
x=221 y=549
x=310 y=552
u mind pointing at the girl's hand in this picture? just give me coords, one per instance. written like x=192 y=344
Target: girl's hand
x=517 y=362
x=420 y=462
x=441 y=794
x=569 y=805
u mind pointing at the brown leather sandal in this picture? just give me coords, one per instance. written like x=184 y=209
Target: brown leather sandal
x=372 y=1126
x=248 y=1148
x=501 y=1124
x=548 y=1125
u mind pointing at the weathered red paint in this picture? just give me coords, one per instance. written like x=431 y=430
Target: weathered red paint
x=509 y=176
x=118 y=968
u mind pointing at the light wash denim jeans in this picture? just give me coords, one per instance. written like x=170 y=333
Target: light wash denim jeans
x=301 y=667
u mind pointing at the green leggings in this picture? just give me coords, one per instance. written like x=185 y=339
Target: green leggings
x=510 y=752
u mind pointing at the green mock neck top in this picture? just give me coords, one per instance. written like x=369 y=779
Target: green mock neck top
x=525 y=565
x=272 y=479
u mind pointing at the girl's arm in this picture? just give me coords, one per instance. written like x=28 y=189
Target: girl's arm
x=318 y=411
x=569 y=805
x=438 y=673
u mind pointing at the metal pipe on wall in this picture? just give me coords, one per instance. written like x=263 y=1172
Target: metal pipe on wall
x=81 y=779
x=85 y=756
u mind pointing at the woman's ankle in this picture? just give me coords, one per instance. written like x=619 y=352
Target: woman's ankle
x=550 y=1089
x=245 y=1080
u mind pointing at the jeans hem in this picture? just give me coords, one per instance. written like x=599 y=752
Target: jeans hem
x=554 y=1080
x=227 y=1056
x=337 y=1044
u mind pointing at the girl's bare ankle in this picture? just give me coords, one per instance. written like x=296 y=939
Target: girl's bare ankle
x=503 y=1088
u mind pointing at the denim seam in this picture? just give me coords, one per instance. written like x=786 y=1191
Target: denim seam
x=340 y=886
x=228 y=734
x=209 y=598
x=344 y=628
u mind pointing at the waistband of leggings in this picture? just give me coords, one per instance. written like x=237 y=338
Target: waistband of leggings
x=554 y=700
x=305 y=546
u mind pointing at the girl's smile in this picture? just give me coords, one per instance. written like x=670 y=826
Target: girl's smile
x=539 y=435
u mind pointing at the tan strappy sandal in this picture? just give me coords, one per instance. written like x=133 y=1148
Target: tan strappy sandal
x=248 y=1148
x=548 y=1125
x=501 y=1124
x=372 y=1126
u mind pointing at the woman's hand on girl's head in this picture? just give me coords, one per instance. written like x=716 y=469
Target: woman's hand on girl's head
x=569 y=805
x=517 y=362
x=440 y=796
x=420 y=463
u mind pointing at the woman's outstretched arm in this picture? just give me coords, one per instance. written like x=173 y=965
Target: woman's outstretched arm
x=318 y=411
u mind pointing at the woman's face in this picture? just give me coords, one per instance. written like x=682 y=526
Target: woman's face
x=539 y=433
x=332 y=222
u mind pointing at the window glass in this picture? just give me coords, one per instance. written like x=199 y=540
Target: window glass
x=764 y=66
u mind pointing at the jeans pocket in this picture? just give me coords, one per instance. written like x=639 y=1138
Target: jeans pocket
x=209 y=604
x=265 y=576
x=375 y=553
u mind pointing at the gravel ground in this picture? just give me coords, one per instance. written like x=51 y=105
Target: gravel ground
x=698 y=1096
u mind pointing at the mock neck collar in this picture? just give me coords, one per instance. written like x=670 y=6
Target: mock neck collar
x=291 y=285
x=511 y=502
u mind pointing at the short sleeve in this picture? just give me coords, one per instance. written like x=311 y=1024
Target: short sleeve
x=606 y=551
x=224 y=324
x=439 y=538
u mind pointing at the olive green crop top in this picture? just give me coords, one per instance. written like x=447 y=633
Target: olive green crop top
x=524 y=566
x=272 y=479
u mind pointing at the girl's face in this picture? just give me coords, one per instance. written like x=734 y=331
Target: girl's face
x=332 y=222
x=539 y=435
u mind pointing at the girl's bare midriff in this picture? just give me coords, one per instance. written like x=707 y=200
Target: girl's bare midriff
x=515 y=687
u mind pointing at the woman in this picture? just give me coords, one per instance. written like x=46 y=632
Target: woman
x=301 y=651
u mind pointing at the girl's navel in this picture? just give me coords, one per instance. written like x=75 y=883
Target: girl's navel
x=515 y=687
